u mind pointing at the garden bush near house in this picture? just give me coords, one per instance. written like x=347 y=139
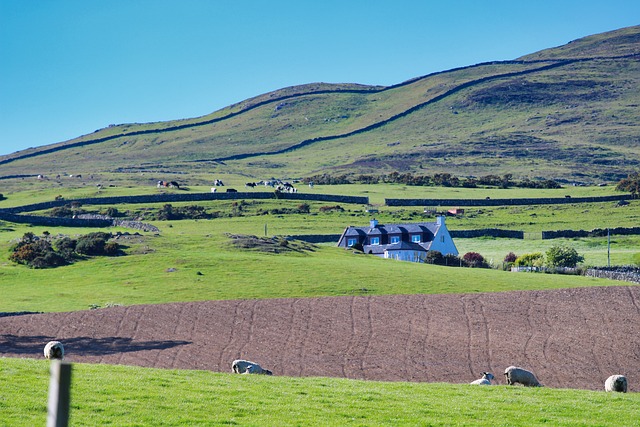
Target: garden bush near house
x=435 y=257
x=535 y=259
x=510 y=258
x=563 y=256
x=509 y=261
x=475 y=260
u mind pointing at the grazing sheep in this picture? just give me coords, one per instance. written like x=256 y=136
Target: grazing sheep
x=616 y=383
x=485 y=380
x=247 y=367
x=522 y=376
x=54 y=350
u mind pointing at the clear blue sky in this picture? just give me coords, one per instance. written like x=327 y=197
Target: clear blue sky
x=69 y=67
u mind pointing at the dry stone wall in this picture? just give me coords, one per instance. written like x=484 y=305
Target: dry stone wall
x=504 y=202
x=627 y=274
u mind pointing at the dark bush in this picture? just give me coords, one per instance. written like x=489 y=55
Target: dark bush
x=65 y=247
x=336 y=208
x=304 y=208
x=452 y=260
x=510 y=257
x=111 y=248
x=474 y=260
x=435 y=257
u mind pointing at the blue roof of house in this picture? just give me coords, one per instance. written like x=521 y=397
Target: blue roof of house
x=407 y=246
x=419 y=227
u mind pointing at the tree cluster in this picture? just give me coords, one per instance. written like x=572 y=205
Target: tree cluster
x=47 y=252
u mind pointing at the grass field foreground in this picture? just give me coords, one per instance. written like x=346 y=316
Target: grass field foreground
x=128 y=396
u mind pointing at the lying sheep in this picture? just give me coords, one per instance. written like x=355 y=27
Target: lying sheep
x=54 y=350
x=616 y=383
x=485 y=380
x=247 y=367
x=521 y=376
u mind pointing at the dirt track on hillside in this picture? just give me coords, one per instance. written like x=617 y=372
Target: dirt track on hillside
x=571 y=338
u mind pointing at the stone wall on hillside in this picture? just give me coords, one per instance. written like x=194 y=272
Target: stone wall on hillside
x=189 y=197
x=598 y=232
x=504 y=202
x=487 y=232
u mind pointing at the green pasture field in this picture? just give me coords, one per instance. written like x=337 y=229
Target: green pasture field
x=31 y=190
x=131 y=396
x=194 y=260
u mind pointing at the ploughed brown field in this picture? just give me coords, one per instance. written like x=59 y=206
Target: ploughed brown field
x=573 y=338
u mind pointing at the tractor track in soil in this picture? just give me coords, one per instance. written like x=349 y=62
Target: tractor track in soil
x=570 y=338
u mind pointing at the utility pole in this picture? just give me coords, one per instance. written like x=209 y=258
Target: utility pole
x=608 y=248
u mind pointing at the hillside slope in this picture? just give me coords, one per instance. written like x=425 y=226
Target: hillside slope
x=567 y=113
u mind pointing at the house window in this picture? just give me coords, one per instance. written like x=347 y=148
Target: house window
x=351 y=242
x=375 y=240
x=415 y=238
x=442 y=239
x=395 y=239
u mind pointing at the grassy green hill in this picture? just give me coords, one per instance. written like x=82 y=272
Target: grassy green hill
x=566 y=113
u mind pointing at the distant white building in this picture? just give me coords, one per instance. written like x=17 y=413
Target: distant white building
x=404 y=242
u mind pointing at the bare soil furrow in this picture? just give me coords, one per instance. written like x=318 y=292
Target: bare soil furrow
x=570 y=338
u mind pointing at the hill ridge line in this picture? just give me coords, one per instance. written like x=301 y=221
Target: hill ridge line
x=307 y=142
x=552 y=63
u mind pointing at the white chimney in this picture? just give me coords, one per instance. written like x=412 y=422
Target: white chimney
x=373 y=223
x=440 y=220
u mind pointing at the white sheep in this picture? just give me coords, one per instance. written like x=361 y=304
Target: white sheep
x=485 y=380
x=521 y=376
x=54 y=350
x=247 y=367
x=616 y=383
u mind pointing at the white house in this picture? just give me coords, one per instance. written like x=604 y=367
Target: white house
x=405 y=242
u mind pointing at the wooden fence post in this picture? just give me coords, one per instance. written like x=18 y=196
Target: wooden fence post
x=59 y=394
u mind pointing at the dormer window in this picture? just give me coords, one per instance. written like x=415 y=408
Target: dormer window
x=375 y=240
x=415 y=238
x=395 y=239
x=351 y=242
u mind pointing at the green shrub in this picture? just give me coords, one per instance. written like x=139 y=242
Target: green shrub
x=36 y=253
x=535 y=259
x=90 y=245
x=65 y=247
x=563 y=256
